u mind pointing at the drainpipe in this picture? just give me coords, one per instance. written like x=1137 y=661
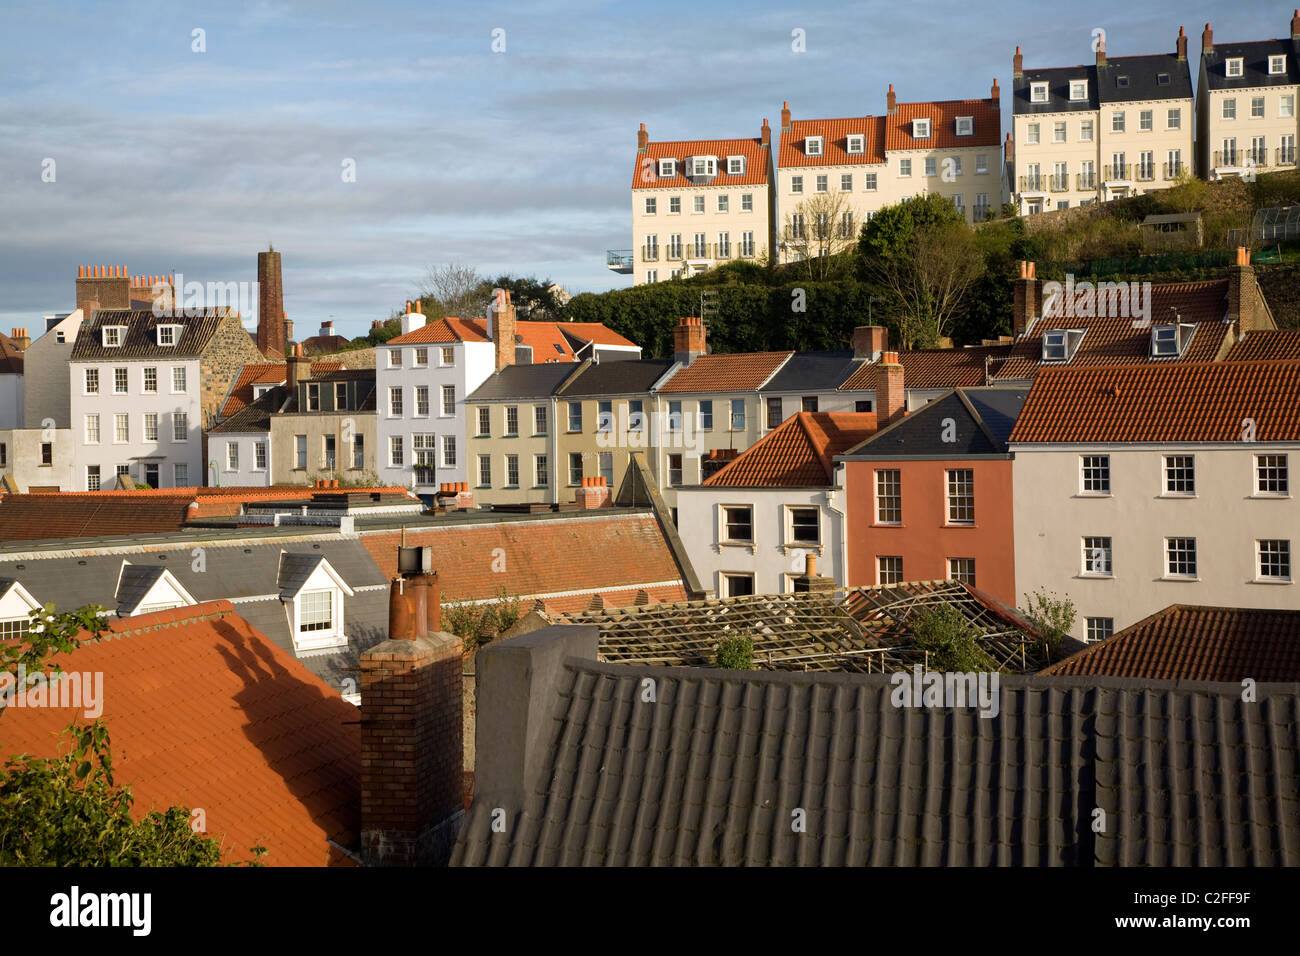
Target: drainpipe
x=831 y=498
x=553 y=450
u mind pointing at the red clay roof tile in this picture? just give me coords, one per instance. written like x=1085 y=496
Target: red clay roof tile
x=937 y=368
x=645 y=175
x=265 y=373
x=798 y=452
x=729 y=372
x=1266 y=344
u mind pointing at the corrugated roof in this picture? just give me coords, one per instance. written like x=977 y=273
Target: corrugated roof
x=645 y=175
x=1185 y=642
x=1178 y=402
x=731 y=372
x=797 y=453
x=205 y=711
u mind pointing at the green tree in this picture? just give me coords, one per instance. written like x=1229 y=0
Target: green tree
x=950 y=640
x=477 y=624
x=1051 y=616
x=890 y=232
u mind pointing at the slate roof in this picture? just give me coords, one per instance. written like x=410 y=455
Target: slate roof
x=1185 y=642
x=134 y=585
x=936 y=368
x=1266 y=344
x=797 y=453
x=982 y=420
x=615 y=378
x=808 y=372
x=731 y=372
x=265 y=373
x=255 y=416
x=206 y=712
x=140 y=340
x=521 y=382
x=366 y=390
x=1254 y=64
x=613 y=553
x=646 y=175
x=1058 y=90
x=1179 y=402
x=1124 y=79
x=715 y=771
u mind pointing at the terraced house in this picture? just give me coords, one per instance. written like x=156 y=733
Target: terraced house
x=1117 y=127
x=1246 y=109
x=697 y=204
x=1135 y=507
x=947 y=147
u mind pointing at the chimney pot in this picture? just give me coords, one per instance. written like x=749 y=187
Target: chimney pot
x=1182 y=43
x=1207 y=39
x=785 y=117
x=891 y=101
x=1018 y=64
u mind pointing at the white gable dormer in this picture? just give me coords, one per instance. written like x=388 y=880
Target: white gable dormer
x=313 y=594
x=113 y=336
x=145 y=589
x=16 y=607
x=168 y=335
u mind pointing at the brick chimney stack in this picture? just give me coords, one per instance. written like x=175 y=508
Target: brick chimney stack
x=1182 y=44
x=1026 y=298
x=1244 y=305
x=412 y=744
x=810 y=581
x=594 y=493
x=1018 y=64
x=299 y=370
x=1101 y=50
x=1207 y=40
x=413 y=317
x=1295 y=25
x=785 y=117
x=1008 y=149
x=21 y=339
x=689 y=341
x=108 y=286
x=765 y=135
x=870 y=341
x=891 y=101
x=501 y=327
x=642 y=141
x=996 y=94
x=891 y=399
x=272 y=337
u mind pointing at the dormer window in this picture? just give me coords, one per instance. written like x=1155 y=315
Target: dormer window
x=1059 y=345
x=260 y=390
x=1078 y=90
x=857 y=143
x=168 y=334
x=812 y=145
x=704 y=165
x=735 y=165
x=1121 y=82
x=965 y=126
x=1277 y=64
x=920 y=129
x=315 y=594
x=1038 y=92
x=667 y=168
x=113 y=335
x=1170 y=341
x=1233 y=66
x=1162 y=79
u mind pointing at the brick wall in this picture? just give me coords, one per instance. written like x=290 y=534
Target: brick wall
x=412 y=776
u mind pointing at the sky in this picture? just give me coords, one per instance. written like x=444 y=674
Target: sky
x=501 y=136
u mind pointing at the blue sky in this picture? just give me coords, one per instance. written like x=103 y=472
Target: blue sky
x=168 y=160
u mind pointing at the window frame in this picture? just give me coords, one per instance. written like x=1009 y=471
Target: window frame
x=726 y=523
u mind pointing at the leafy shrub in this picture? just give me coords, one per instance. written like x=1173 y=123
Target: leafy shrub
x=736 y=652
x=951 y=642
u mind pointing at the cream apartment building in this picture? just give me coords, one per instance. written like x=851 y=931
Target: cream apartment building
x=951 y=148
x=1127 y=508
x=697 y=204
x=1247 y=104
x=1119 y=127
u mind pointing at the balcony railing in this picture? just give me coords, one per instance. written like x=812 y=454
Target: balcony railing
x=1058 y=184
x=649 y=253
x=1085 y=181
x=1146 y=174
x=1118 y=172
x=1174 y=170
x=1284 y=156
x=1033 y=184
x=1228 y=157
x=619 y=260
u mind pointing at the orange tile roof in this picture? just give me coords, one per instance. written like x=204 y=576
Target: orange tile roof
x=595 y=332
x=1113 y=341
x=448 y=330
x=727 y=372
x=936 y=368
x=646 y=175
x=579 y=554
x=205 y=711
x=798 y=452
x=265 y=373
x=835 y=134
x=1266 y=344
x=943 y=116
x=546 y=340
x=1171 y=402
x=1185 y=642
x=11 y=359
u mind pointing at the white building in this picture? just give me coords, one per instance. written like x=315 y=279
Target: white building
x=748 y=528
x=11 y=378
x=1145 y=486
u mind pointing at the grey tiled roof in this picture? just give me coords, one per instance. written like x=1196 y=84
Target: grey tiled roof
x=134 y=585
x=140 y=338
x=255 y=416
x=1124 y=79
x=923 y=433
x=1254 y=65
x=615 y=378
x=719 y=767
x=812 y=372
x=524 y=381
